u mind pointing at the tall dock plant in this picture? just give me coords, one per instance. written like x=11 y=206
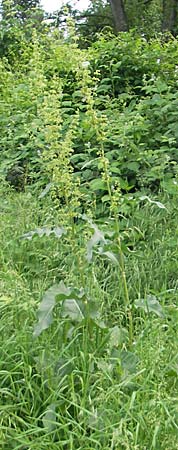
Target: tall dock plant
x=57 y=147
x=99 y=123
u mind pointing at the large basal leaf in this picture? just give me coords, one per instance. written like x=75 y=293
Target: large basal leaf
x=73 y=309
x=77 y=310
x=118 y=336
x=44 y=231
x=150 y=304
x=128 y=360
x=45 y=311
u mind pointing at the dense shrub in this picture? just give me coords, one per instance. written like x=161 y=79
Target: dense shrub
x=125 y=83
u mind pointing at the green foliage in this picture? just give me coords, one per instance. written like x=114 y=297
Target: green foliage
x=88 y=252
x=67 y=379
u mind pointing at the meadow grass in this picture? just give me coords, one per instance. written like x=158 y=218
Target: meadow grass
x=72 y=391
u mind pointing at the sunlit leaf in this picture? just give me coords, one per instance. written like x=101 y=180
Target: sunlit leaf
x=97 y=184
x=118 y=336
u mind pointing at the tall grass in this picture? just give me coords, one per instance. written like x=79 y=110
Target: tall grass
x=82 y=390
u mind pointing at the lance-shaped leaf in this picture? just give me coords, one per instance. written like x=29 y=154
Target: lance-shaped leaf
x=109 y=255
x=46 y=190
x=44 y=231
x=45 y=311
x=97 y=238
x=159 y=204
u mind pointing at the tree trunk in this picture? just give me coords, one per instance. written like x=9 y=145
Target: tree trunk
x=169 y=15
x=119 y=15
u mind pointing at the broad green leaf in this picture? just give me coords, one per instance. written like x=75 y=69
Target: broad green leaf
x=49 y=418
x=103 y=88
x=118 y=336
x=150 y=304
x=89 y=163
x=115 y=169
x=45 y=310
x=133 y=165
x=105 y=198
x=129 y=361
x=126 y=359
x=73 y=309
x=97 y=184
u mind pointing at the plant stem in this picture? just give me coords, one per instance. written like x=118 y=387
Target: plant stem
x=121 y=256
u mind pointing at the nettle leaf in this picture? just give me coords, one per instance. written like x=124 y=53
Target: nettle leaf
x=49 y=418
x=98 y=184
x=89 y=163
x=150 y=304
x=105 y=198
x=44 y=231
